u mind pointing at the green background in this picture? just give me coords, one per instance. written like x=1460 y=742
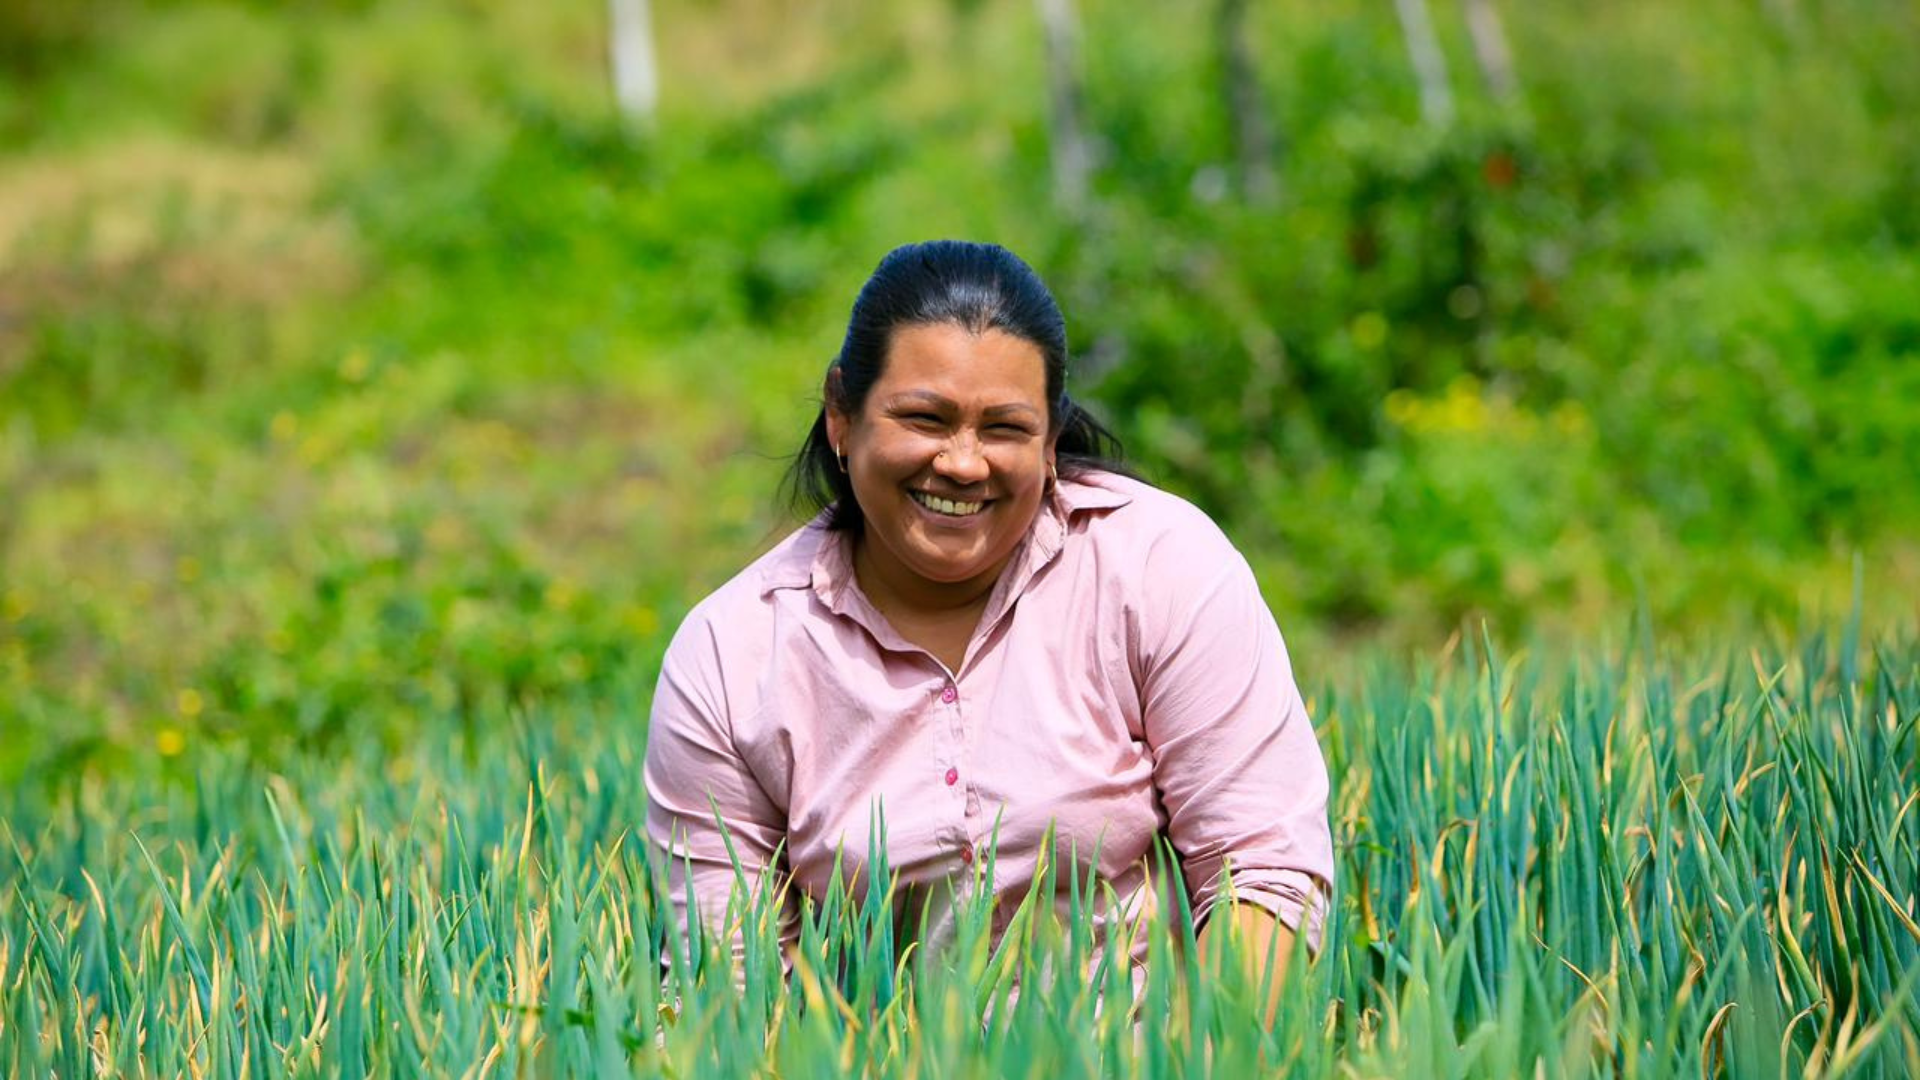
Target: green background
x=358 y=362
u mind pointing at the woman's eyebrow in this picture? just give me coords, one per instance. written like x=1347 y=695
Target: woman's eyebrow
x=919 y=397
x=1012 y=409
x=927 y=399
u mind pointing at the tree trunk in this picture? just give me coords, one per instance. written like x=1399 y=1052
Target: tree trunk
x=1253 y=141
x=1071 y=159
x=636 y=79
x=1490 y=50
x=1429 y=62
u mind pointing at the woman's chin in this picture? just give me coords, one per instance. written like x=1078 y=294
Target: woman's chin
x=949 y=571
x=949 y=563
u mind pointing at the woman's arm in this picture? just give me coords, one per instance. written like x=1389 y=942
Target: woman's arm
x=1235 y=760
x=1265 y=946
x=696 y=780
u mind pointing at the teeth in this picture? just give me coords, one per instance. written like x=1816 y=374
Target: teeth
x=946 y=506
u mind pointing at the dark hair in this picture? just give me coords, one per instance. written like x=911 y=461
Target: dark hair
x=979 y=287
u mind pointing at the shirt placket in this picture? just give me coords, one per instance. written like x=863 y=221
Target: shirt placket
x=966 y=835
x=954 y=776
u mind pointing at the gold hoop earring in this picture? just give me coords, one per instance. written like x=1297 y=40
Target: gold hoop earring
x=840 y=457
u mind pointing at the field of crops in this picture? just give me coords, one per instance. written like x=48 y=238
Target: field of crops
x=1626 y=864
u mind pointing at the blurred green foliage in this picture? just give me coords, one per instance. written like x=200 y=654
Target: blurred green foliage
x=357 y=360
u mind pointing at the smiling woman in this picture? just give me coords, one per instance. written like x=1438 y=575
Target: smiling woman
x=948 y=460
x=990 y=632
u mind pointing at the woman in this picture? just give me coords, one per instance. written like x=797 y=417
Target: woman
x=987 y=627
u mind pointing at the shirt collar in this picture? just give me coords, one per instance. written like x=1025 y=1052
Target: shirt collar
x=1069 y=499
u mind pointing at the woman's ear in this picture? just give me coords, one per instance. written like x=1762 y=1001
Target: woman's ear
x=831 y=397
x=834 y=392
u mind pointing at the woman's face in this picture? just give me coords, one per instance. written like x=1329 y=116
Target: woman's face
x=949 y=456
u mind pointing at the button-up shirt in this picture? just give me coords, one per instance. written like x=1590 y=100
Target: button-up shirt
x=1125 y=681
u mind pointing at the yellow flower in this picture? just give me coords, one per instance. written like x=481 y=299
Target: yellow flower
x=643 y=620
x=169 y=741
x=1569 y=418
x=187 y=569
x=189 y=703
x=284 y=427
x=1465 y=409
x=314 y=450
x=355 y=365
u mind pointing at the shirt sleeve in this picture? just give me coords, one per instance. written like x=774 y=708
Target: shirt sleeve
x=696 y=779
x=1235 y=761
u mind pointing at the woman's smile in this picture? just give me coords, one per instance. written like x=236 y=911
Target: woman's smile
x=952 y=508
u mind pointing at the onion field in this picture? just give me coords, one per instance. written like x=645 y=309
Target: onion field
x=1619 y=863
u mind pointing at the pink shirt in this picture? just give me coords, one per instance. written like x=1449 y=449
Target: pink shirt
x=1125 y=680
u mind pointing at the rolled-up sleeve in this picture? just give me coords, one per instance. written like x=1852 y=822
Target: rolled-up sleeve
x=1236 y=765
x=693 y=772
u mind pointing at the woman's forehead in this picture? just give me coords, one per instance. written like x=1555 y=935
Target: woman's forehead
x=955 y=363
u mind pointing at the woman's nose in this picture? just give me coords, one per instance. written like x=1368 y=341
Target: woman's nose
x=961 y=461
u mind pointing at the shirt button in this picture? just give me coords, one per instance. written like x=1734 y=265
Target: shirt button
x=966 y=853
x=949 y=695
x=953 y=777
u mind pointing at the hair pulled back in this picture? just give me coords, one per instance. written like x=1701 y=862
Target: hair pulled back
x=978 y=287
